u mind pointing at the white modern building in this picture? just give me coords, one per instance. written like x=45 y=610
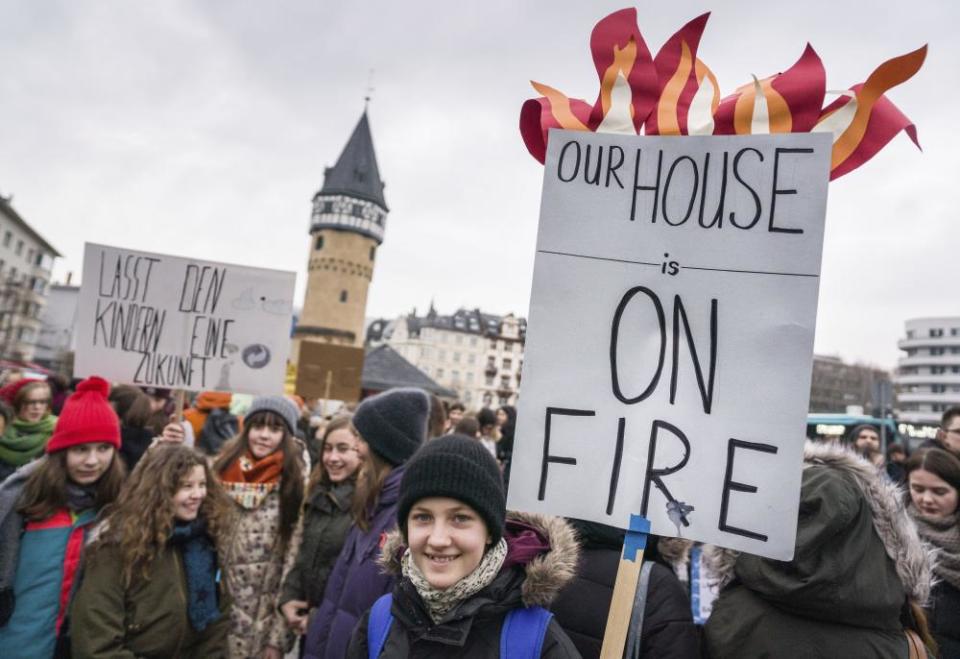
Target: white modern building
x=928 y=377
x=476 y=354
x=26 y=262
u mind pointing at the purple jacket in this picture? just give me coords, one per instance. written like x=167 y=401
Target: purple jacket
x=356 y=581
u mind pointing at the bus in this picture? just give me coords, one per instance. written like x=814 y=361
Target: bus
x=836 y=427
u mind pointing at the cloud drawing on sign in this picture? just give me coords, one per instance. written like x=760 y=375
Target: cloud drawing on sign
x=277 y=307
x=245 y=302
x=675 y=93
x=256 y=355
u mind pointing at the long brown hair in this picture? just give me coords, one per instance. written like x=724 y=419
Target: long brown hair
x=141 y=520
x=938 y=462
x=131 y=405
x=373 y=472
x=291 y=481
x=319 y=476
x=45 y=491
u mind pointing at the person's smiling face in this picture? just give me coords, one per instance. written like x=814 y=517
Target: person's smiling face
x=447 y=540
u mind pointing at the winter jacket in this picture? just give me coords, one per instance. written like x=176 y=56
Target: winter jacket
x=356 y=581
x=858 y=559
x=38 y=563
x=326 y=521
x=582 y=606
x=255 y=568
x=6 y=470
x=944 y=617
x=541 y=557
x=148 y=619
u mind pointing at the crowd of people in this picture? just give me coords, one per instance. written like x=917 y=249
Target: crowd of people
x=136 y=524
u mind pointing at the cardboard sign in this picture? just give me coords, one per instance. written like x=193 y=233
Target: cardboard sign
x=166 y=321
x=670 y=338
x=344 y=364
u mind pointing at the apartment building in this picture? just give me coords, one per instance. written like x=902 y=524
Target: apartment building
x=26 y=264
x=928 y=375
x=477 y=354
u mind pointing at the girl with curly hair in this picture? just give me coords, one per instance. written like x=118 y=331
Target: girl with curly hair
x=151 y=584
x=46 y=510
x=263 y=471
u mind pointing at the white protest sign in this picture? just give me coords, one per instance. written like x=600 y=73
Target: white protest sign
x=670 y=339
x=167 y=321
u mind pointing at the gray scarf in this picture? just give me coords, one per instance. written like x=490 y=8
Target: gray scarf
x=944 y=534
x=441 y=602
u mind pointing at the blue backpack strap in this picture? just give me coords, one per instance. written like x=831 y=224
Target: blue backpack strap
x=523 y=632
x=378 y=625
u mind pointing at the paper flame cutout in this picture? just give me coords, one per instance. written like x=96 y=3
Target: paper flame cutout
x=675 y=93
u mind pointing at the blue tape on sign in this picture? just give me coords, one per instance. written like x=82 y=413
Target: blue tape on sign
x=636 y=538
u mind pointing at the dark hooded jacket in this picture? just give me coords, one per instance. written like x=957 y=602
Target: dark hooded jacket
x=326 y=521
x=148 y=619
x=858 y=563
x=541 y=558
x=356 y=581
x=582 y=606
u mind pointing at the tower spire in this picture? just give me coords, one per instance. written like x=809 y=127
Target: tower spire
x=369 y=91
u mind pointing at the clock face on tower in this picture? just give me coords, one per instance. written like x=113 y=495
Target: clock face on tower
x=348 y=213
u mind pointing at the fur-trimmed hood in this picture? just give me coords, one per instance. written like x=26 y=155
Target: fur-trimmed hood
x=546 y=573
x=831 y=532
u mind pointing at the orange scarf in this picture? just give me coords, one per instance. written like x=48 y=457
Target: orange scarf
x=248 y=481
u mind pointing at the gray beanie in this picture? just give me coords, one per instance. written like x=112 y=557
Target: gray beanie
x=278 y=405
x=394 y=423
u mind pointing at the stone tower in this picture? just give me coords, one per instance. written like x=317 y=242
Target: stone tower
x=346 y=227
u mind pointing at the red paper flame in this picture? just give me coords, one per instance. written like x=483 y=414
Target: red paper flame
x=677 y=94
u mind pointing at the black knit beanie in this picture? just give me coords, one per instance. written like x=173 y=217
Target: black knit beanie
x=393 y=423
x=458 y=467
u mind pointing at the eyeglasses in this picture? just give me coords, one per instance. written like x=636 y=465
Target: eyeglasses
x=43 y=402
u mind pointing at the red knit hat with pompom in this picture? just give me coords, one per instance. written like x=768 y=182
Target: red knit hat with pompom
x=86 y=417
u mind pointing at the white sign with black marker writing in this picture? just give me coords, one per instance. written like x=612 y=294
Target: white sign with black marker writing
x=670 y=340
x=167 y=321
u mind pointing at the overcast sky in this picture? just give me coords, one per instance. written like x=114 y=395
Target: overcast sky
x=203 y=129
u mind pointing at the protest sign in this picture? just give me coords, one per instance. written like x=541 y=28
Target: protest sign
x=670 y=338
x=328 y=371
x=167 y=321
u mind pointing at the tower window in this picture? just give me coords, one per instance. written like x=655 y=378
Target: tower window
x=373 y=250
x=357 y=210
x=343 y=296
x=319 y=244
x=328 y=207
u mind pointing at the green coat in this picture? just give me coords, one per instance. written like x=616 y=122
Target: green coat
x=842 y=594
x=147 y=620
x=326 y=521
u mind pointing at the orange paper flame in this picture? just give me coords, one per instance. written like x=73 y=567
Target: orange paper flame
x=677 y=94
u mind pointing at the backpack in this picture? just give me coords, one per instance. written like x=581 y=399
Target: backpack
x=219 y=426
x=521 y=636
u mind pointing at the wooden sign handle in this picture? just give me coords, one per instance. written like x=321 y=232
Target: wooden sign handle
x=178 y=401
x=625 y=588
x=328 y=383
